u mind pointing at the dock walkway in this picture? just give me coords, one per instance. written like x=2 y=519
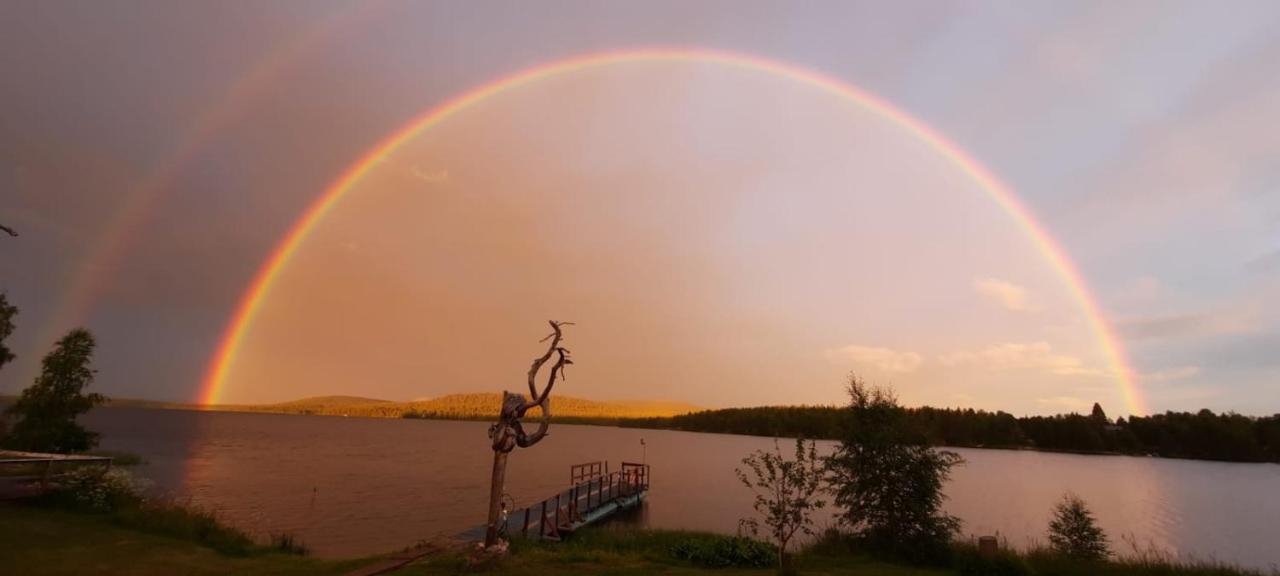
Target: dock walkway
x=594 y=494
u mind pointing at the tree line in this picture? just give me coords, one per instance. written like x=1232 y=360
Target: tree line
x=1201 y=435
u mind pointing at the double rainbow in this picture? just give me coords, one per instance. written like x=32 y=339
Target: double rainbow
x=264 y=280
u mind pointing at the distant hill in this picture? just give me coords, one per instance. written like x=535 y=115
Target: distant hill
x=452 y=406
x=332 y=401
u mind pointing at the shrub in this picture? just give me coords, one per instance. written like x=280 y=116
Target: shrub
x=7 y=312
x=786 y=492
x=1073 y=531
x=47 y=409
x=288 y=544
x=888 y=480
x=193 y=524
x=968 y=562
x=117 y=494
x=736 y=552
x=98 y=490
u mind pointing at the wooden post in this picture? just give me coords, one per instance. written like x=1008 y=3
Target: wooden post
x=988 y=546
x=495 y=498
x=524 y=528
x=542 y=520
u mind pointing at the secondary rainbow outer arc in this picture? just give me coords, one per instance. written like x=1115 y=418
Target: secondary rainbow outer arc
x=265 y=278
x=94 y=269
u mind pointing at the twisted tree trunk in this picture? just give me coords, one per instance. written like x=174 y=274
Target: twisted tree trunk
x=508 y=432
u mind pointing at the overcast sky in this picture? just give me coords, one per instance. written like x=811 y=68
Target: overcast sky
x=721 y=236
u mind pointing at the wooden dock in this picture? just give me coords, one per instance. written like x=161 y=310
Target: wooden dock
x=594 y=494
x=21 y=472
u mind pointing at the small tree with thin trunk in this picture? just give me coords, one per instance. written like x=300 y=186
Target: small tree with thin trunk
x=48 y=408
x=1074 y=532
x=508 y=432
x=787 y=492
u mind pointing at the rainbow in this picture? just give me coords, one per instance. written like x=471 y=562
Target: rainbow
x=264 y=280
x=117 y=235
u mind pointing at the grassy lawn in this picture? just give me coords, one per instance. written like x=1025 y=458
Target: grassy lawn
x=37 y=541
x=43 y=540
x=605 y=551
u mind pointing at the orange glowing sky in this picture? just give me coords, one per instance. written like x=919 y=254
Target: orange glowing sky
x=720 y=236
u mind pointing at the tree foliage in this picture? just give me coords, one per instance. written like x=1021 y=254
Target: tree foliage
x=1074 y=532
x=47 y=409
x=787 y=491
x=7 y=312
x=1202 y=435
x=887 y=479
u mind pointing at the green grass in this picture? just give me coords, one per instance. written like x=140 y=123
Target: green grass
x=624 y=552
x=40 y=540
x=37 y=541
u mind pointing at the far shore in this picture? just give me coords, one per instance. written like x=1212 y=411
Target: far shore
x=645 y=423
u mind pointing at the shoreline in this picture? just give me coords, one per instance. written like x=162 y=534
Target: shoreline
x=629 y=423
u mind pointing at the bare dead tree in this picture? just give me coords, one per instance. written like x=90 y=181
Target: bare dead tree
x=8 y=230
x=508 y=432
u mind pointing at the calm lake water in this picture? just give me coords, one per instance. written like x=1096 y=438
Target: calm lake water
x=353 y=486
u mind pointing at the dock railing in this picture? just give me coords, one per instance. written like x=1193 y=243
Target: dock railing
x=592 y=489
x=17 y=466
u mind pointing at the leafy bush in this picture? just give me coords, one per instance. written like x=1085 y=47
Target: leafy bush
x=193 y=524
x=47 y=409
x=787 y=492
x=1073 y=531
x=888 y=480
x=736 y=552
x=288 y=544
x=98 y=490
x=968 y=562
x=119 y=495
x=7 y=312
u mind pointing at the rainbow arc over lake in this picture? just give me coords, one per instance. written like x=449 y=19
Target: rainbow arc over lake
x=261 y=287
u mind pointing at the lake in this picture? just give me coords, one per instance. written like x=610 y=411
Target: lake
x=357 y=486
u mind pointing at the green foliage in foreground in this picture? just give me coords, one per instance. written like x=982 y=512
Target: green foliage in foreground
x=656 y=546
x=116 y=496
x=47 y=409
x=39 y=541
x=1075 y=533
x=7 y=312
x=787 y=492
x=887 y=479
x=1047 y=562
x=44 y=541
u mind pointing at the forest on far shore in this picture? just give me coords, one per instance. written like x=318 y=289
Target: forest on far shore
x=1201 y=435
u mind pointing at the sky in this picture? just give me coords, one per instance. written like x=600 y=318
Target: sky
x=720 y=235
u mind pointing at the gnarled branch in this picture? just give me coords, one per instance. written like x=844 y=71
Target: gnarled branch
x=509 y=431
x=543 y=400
